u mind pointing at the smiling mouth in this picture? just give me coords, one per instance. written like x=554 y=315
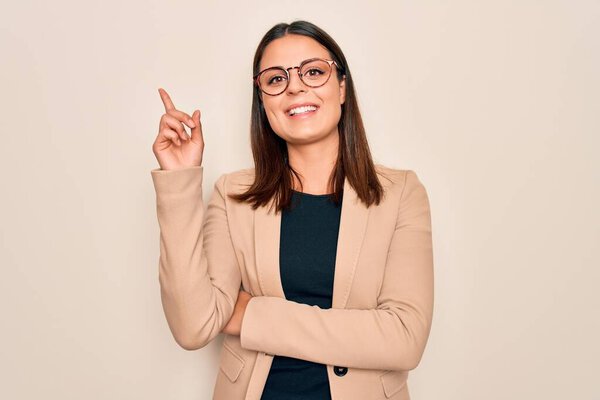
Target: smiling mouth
x=300 y=111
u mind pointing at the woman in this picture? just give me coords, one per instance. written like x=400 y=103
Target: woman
x=316 y=264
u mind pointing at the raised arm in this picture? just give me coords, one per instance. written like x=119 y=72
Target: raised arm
x=392 y=336
x=198 y=272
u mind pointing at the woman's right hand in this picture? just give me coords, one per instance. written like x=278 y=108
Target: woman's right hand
x=173 y=148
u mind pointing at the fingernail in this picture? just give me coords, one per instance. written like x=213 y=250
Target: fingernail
x=191 y=123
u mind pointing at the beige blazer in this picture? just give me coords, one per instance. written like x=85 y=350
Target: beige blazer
x=379 y=323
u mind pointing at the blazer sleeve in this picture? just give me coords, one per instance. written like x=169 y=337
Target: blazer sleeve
x=390 y=337
x=198 y=272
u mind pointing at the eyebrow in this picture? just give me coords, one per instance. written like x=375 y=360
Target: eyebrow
x=281 y=66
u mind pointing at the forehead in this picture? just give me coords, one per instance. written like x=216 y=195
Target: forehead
x=291 y=50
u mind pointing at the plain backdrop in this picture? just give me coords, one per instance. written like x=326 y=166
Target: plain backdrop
x=494 y=104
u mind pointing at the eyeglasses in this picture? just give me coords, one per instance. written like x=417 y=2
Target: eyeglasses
x=313 y=72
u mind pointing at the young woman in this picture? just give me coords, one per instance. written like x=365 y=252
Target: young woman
x=316 y=264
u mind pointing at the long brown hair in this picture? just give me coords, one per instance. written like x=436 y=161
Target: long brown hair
x=273 y=174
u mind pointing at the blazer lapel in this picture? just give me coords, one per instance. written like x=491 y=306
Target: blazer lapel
x=353 y=223
x=267 y=227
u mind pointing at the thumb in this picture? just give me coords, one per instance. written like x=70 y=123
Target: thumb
x=197 y=130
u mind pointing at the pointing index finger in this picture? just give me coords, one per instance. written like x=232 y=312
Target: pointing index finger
x=166 y=99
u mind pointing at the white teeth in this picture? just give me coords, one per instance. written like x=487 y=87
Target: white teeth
x=299 y=110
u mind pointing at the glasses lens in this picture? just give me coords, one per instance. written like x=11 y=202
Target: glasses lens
x=273 y=80
x=315 y=73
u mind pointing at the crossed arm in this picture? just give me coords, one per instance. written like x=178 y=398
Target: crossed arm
x=200 y=280
x=392 y=336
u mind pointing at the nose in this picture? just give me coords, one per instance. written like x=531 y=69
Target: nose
x=295 y=82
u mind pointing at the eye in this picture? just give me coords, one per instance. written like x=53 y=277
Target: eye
x=276 y=79
x=316 y=72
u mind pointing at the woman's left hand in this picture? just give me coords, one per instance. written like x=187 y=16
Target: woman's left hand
x=234 y=325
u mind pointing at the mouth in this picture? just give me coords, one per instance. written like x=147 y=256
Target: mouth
x=302 y=111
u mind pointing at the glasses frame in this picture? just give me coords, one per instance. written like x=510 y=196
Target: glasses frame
x=256 y=78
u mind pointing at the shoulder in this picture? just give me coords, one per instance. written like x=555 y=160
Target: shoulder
x=393 y=178
x=388 y=172
x=397 y=178
x=237 y=180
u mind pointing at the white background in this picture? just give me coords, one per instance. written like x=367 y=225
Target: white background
x=495 y=105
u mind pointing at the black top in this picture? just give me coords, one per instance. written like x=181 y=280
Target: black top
x=308 y=244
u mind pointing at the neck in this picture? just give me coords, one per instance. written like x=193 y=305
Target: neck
x=314 y=162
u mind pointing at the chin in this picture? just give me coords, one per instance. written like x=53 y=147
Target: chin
x=305 y=137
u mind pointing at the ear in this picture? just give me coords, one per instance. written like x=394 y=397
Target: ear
x=343 y=90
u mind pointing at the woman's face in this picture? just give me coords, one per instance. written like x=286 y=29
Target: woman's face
x=290 y=51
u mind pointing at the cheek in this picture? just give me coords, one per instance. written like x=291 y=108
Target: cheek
x=333 y=114
x=270 y=110
x=273 y=116
x=332 y=104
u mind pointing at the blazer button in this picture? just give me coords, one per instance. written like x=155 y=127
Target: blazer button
x=340 y=371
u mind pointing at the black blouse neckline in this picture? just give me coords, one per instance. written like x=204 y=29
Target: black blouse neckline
x=312 y=195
